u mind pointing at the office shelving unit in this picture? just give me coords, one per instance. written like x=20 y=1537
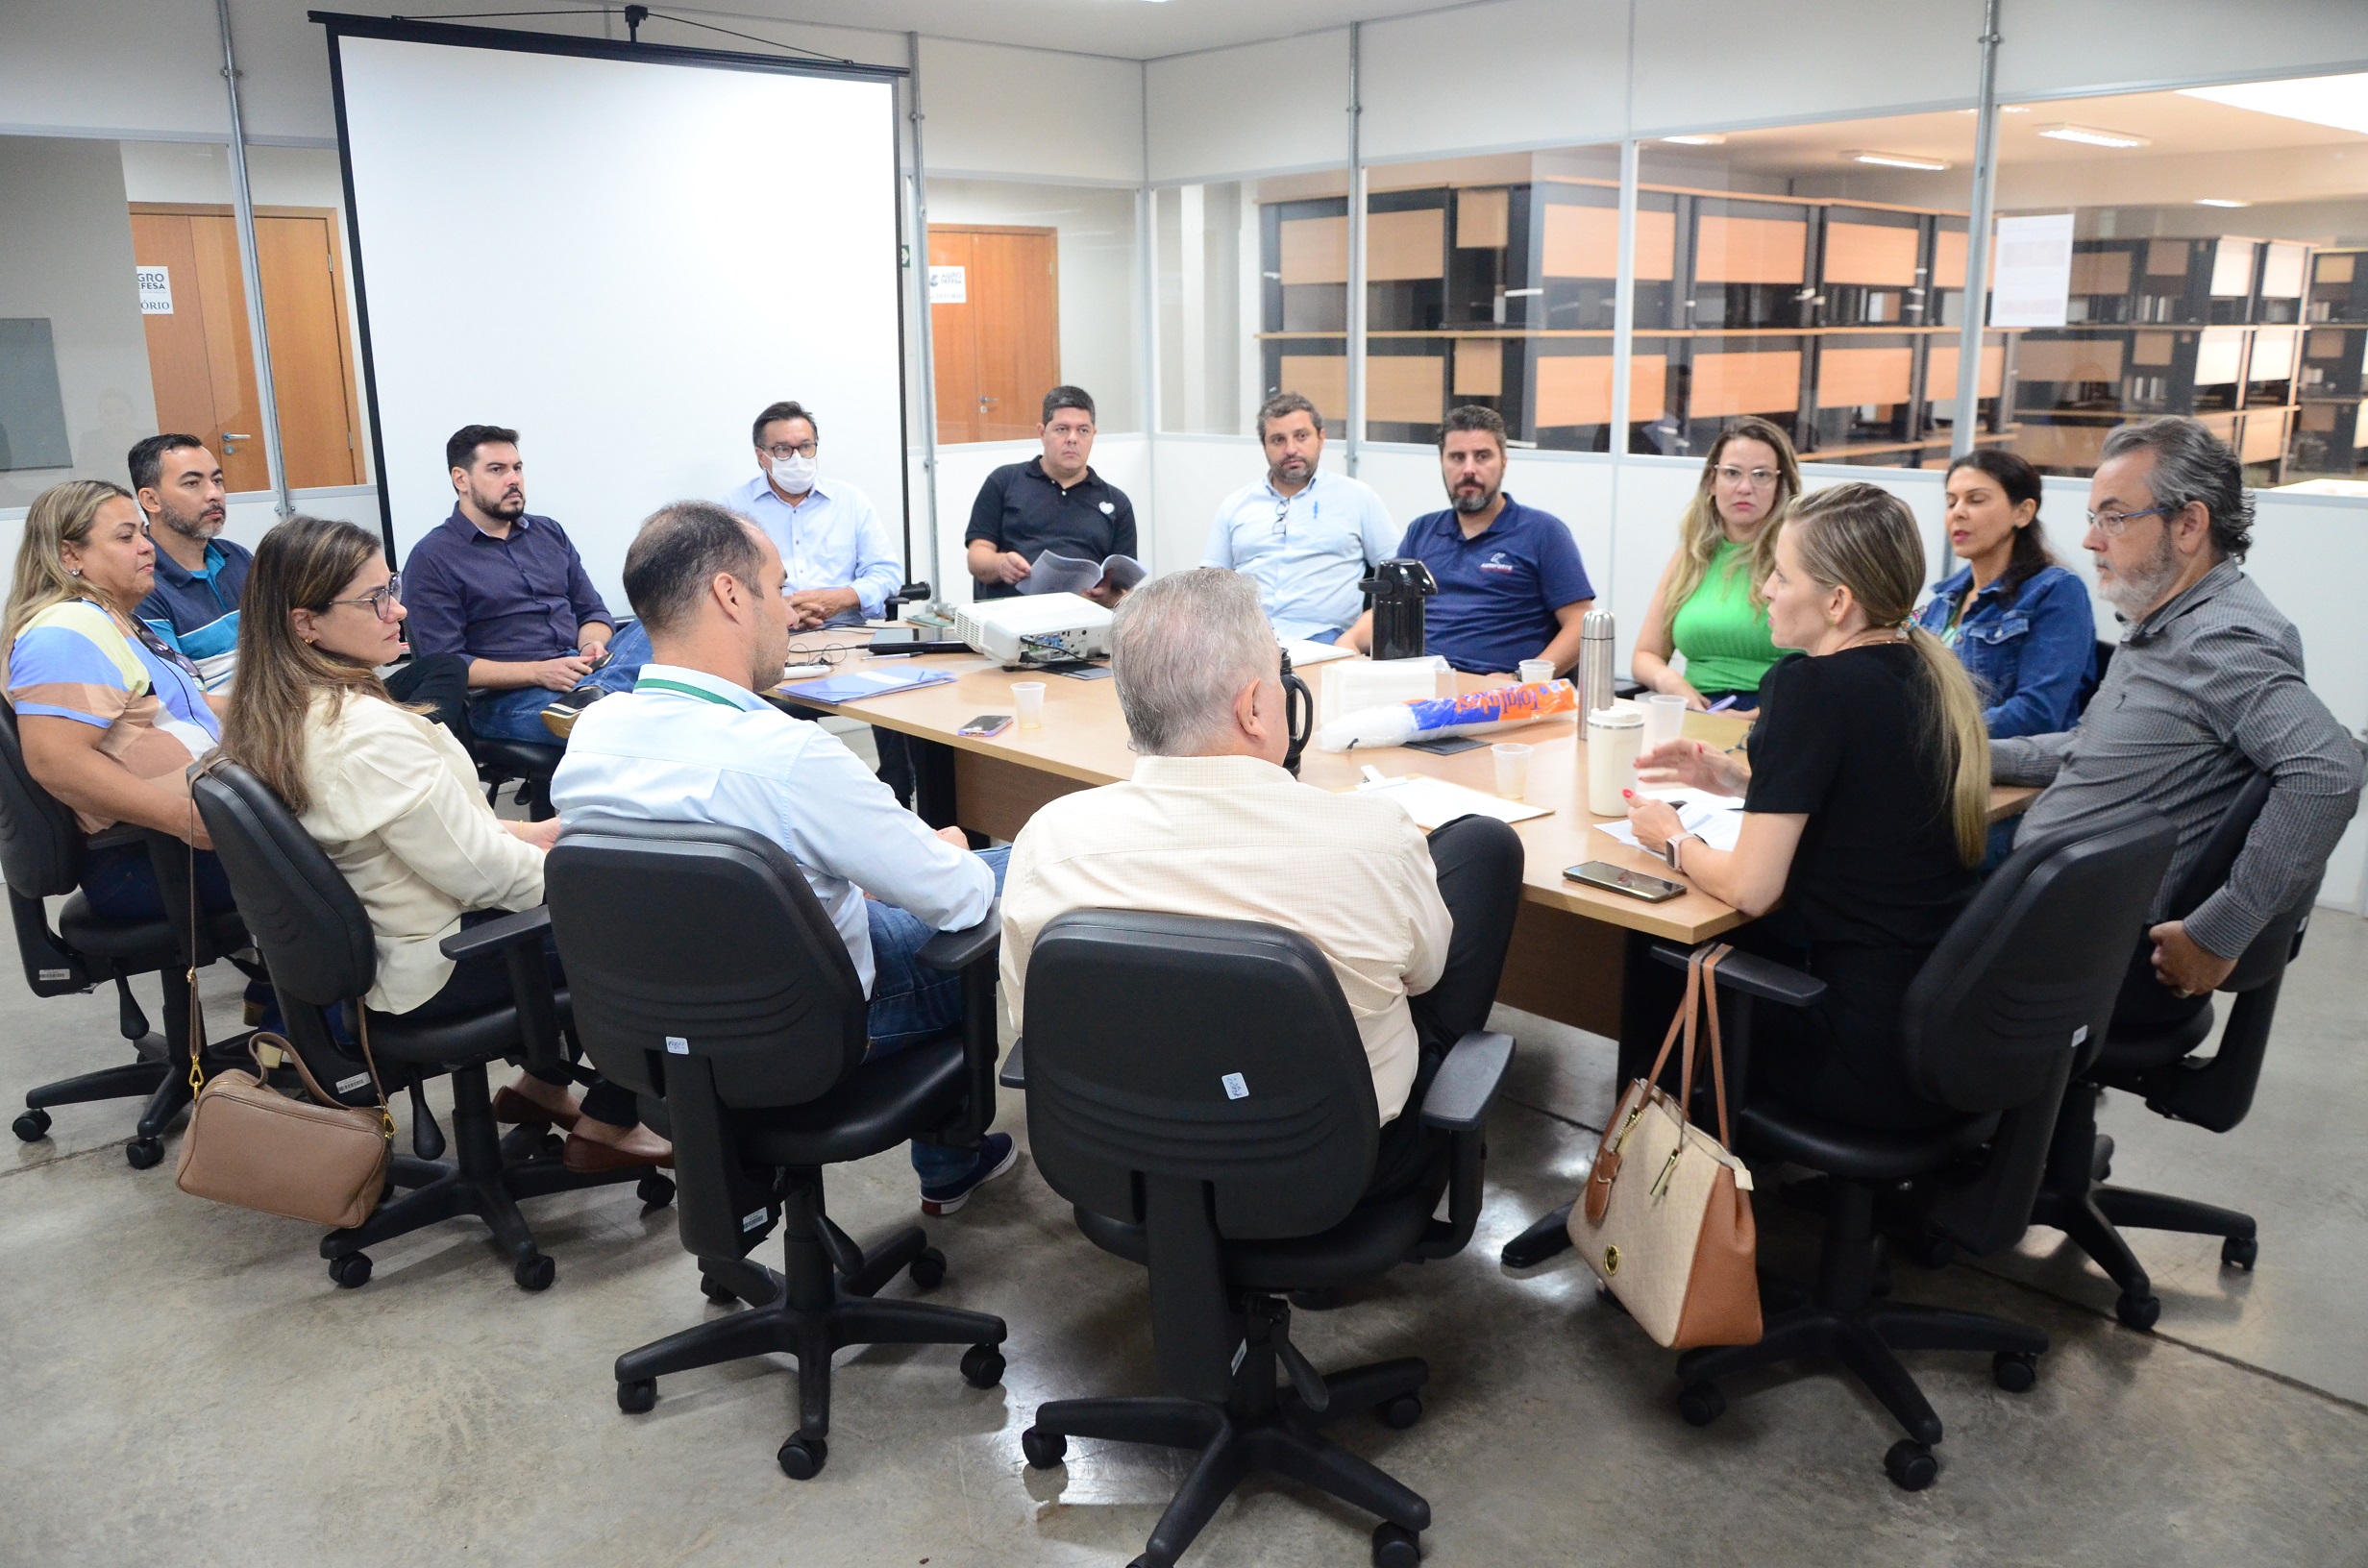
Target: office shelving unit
x=2330 y=436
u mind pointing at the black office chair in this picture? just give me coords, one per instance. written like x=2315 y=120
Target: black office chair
x=500 y=761
x=1197 y=1089
x=317 y=938
x=1991 y=1029
x=2158 y=1063
x=704 y=972
x=41 y=853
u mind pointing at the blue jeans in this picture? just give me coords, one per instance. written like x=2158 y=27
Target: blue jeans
x=517 y=715
x=1327 y=638
x=911 y=1004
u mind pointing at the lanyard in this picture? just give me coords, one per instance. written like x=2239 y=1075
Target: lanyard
x=661 y=683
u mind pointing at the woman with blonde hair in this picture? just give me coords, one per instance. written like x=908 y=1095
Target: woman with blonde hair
x=1707 y=605
x=1865 y=804
x=393 y=802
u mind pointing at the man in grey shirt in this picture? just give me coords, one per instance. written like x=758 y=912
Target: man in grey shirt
x=2206 y=690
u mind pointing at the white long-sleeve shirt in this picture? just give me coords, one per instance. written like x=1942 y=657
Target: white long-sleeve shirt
x=835 y=539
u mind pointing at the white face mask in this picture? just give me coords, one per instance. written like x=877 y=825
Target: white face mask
x=795 y=476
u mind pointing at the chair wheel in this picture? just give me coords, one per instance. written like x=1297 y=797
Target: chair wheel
x=2236 y=1251
x=142 y=1153
x=715 y=1290
x=982 y=1367
x=2139 y=1312
x=2014 y=1370
x=1932 y=1251
x=636 y=1398
x=1701 y=1404
x=2101 y=1159
x=1044 y=1449
x=351 y=1271
x=654 y=1191
x=33 y=1126
x=928 y=1270
x=534 y=1272
x=803 y=1458
x=1402 y=1413
x=1910 y=1466
x=1395 y=1546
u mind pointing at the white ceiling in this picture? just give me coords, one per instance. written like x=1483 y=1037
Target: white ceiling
x=1127 y=29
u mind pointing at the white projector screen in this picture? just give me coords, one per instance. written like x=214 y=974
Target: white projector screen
x=622 y=253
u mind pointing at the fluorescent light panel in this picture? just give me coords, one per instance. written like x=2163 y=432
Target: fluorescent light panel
x=1898 y=160
x=2219 y=201
x=2089 y=135
x=2337 y=101
x=1700 y=138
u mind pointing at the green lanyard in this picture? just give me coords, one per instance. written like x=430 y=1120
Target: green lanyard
x=659 y=683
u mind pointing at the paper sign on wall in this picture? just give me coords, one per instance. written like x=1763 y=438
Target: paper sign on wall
x=2035 y=270
x=948 y=285
x=156 y=291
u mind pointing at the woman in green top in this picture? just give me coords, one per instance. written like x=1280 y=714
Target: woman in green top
x=1708 y=606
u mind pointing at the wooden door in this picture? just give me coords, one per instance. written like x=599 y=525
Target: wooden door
x=998 y=350
x=311 y=354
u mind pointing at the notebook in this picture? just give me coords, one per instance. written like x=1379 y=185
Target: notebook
x=867 y=683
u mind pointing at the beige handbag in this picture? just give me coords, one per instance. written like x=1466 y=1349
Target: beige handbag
x=1666 y=1221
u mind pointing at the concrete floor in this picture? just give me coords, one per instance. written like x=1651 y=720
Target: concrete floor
x=187 y=1387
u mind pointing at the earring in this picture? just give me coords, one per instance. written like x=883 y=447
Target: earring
x=73 y=571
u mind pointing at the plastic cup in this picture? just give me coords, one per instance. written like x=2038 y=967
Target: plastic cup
x=1534 y=671
x=1664 y=717
x=1028 y=697
x=1511 y=769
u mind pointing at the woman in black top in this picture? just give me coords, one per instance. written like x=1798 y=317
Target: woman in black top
x=1865 y=799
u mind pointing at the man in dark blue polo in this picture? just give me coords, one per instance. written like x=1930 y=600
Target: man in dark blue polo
x=1054 y=502
x=1511 y=584
x=506 y=590
x=194 y=605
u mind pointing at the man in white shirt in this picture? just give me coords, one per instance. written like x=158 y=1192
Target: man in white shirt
x=694 y=742
x=1211 y=824
x=1307 y=538
x=839 y=560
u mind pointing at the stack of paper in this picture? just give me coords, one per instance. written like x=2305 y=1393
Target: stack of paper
x=869 y=683
x=1433 y=802
x=1304 y=653
x=1716 y=819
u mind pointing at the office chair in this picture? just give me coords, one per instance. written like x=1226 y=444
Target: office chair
x=1197 y=1089
x=41 y=855
x=317 y=938
x=2157 y=1063
x=704 y=972
x=499 y=761
x=1991 y=1028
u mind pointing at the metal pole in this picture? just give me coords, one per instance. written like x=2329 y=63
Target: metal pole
x=928 y=341
x=242 y=207
x=1147 y=293
x=1977 y=240
x=1624 y=299
x=1356 y=251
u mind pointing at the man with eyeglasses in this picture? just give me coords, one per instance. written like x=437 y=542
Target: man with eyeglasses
x=1052 y=501
x=2204 y=690
x=842 y=562
x=1307 y=538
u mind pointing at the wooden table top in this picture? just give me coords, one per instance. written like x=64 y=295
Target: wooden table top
x=1084 y=738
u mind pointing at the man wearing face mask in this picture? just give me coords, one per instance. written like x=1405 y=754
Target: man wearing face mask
x=194 y=605
x=843 y=563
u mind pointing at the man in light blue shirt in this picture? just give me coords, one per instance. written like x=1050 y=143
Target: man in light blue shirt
x=694 y=742
x=842 y=562
x=1307 y=538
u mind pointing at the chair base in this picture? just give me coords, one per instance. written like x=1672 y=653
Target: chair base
x=164 y=1084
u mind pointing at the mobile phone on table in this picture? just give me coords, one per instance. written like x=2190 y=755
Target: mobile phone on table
x=986 y=726
x=1602 y=874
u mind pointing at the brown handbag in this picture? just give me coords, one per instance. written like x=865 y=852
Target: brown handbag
x=1665 y=1221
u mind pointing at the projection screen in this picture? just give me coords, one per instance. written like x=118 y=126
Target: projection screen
x=622 y=252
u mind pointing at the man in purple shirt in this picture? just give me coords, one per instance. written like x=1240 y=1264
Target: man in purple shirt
x=506 y=591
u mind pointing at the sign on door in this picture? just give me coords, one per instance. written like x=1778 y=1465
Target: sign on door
x=156 y=291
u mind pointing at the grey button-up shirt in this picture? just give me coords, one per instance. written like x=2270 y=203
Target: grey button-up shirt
x=2202 y=694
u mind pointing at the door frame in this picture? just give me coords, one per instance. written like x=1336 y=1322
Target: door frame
x=1046 y=231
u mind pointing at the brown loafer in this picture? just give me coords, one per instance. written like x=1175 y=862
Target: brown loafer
x=587 y=1157
x=510 y=1106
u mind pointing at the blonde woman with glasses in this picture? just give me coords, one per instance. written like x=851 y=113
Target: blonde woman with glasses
x=1708 y=606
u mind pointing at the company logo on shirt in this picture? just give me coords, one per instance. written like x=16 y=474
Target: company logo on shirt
x=1109 y=508
x=1497 y=563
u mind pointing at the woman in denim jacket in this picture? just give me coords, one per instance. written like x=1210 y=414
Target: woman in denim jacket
x=2021 y=623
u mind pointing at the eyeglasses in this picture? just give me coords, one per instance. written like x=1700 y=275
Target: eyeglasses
x=784 y=453
x=382 y=602
x=1761 y=478
x=2113 y=523
x=1282 y=517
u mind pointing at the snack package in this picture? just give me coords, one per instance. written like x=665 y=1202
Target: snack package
x=1435 y=718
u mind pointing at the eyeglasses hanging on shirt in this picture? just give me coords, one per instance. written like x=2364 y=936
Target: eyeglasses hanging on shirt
x=1282 y=507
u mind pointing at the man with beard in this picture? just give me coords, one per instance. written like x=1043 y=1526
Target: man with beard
x=2204 y=690
x=506 y=590
x=1511 y=584
x=1307 y=538
x=193 y=608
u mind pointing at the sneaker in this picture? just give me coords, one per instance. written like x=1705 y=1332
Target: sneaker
x=998 y=1154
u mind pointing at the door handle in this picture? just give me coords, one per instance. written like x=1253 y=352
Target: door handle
x=229 y=436
x=983 y=402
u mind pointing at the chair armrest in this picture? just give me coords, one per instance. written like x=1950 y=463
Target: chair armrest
x=118 y=836
x=1015 y=1069
x=956 y=950
x=1466 y=1082
x=493 y=936
x=1753 y=976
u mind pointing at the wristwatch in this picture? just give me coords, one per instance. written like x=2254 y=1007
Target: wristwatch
x=1668 y=850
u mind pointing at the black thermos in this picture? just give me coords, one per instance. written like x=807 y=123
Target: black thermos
x=1398 y=589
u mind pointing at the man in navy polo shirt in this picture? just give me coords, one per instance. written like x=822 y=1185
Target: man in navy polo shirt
x=1511 y=584
x=1054 y=502
x=194 y=605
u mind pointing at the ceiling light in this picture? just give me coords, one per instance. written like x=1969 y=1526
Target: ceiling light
x=1898 y=160
x=1700 y=138
x=2218 y=201
x=2088 y=136
x=2338 y=101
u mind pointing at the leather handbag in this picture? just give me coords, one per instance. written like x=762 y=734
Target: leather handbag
x=1665 y=1221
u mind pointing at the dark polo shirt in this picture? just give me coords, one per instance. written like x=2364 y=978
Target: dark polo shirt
x=1021 y=509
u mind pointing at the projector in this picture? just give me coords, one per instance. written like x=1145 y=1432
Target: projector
x=1034 y=628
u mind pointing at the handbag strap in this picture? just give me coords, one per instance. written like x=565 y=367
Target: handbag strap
x=1717 y=1047
x=1682 y=1021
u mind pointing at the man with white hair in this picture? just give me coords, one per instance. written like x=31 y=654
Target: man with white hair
x=1212 y=824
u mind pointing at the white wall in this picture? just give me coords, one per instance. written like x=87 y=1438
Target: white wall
x=1025 y=112
x=1259 y=108
x=1122 y=460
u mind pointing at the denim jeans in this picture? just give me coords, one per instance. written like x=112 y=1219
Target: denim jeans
x=517 y=715
x=911 y=1004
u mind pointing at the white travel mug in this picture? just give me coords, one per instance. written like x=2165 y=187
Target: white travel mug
x=1614 y=738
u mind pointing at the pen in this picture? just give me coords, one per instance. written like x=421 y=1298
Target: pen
x=1722 y=704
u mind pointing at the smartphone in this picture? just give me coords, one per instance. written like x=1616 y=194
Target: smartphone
x=1602 y=874
x=986 y=726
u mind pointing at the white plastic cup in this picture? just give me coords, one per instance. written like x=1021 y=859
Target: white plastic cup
x=1664 y=717
x=1536 y=671
x=1511 y=769
x=1614 y=736
x=1028 y=697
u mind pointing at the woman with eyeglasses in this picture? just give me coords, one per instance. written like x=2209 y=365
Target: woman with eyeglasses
x=1708 y=606
x=393 y=800
x=2021 y=624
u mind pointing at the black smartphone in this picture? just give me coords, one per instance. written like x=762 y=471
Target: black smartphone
x=1602 y=874
x=986 y=726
